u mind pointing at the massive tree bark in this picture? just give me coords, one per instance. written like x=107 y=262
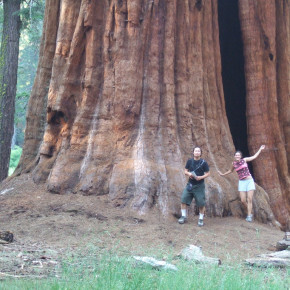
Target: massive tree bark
x=36 y=112
x=133 y=86
x=8 y=74
x=266 y=37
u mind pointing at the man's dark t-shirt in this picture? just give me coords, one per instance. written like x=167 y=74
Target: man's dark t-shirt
x=199 y=167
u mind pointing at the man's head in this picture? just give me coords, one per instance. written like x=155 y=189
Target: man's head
x=197 y=152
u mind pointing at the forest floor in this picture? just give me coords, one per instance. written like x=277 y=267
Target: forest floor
x=46 y=225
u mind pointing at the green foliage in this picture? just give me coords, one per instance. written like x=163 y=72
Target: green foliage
x=20 y=115
x=31 y=14
x=94 y=270
x=14 y=158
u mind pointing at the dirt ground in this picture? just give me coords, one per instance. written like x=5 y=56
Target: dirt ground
x=41 y=220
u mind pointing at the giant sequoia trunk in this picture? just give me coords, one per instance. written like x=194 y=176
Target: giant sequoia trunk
x=266 y=37
x=133 y=86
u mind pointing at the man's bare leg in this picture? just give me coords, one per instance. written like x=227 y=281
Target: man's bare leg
x=202 y=210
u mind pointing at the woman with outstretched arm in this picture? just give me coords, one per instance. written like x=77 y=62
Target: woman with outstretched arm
x=246 y=181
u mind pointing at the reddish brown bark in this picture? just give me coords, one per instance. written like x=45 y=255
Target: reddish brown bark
x=265 y=27
x=134 y=86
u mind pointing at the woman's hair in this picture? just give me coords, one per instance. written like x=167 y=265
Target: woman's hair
x=197 y=147
x=239 y=152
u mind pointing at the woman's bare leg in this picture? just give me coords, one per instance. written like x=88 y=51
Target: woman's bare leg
x=243 y=196
x=250 y=201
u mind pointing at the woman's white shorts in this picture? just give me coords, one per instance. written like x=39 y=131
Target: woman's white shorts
x=247 y=185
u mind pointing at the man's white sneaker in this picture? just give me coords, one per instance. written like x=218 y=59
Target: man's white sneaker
x=182 y=220
x=200 y=223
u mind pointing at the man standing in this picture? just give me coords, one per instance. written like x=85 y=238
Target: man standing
x=197 y=170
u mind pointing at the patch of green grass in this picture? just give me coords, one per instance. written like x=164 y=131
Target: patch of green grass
x=14 y=158
x=91 y=269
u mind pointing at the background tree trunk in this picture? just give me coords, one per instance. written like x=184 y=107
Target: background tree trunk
x=8 y=74
x=134 y=85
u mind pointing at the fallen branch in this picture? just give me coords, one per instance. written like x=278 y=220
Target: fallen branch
x=22 y=276
x=278 y=259
x=155 y=263
x=194 y=253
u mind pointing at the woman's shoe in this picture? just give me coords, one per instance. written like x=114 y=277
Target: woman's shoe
x=249 y=218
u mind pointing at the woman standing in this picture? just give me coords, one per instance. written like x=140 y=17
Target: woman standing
x=246 y=181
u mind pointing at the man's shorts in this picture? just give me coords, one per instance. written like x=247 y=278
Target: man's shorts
x=247 y=185
x=197 y=192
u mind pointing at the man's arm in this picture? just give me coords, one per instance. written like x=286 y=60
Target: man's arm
x=206 y=174
x=186 y=172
